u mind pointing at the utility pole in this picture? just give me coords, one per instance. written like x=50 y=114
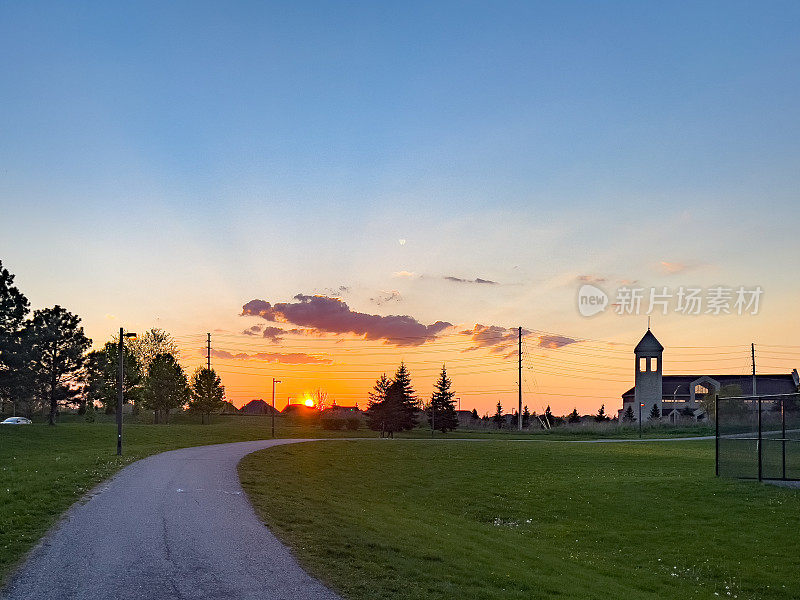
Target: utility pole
x=519 y=383
x=208 y=352
x=274 y=381
x=120 y=375
x=641 y=404
x=753 y=357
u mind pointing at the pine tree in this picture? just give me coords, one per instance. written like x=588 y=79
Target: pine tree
x=526 y=417
x=628 y=416
x=13 y=310
x=574 y=417
x=474 y=415
x=166 y=386
x=601 y=414
x=376 y=407
x=655 y=414
x=548 y=417
x=442 y=410
x=54 y=346
x=499 y=419
x=207 y=393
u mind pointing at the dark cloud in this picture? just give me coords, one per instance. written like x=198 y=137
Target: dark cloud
x=323 y=314
x=385 y=297
x=555 y=341
x=505 y=340
x=254 y=330
x=461 y=280
x=291 y=358
x=273 y=334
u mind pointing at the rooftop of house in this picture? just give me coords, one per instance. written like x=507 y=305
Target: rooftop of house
x=678 y=386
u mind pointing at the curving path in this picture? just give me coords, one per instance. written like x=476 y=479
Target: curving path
x=174 y=525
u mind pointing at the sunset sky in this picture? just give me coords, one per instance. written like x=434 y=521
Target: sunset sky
x=295 y=177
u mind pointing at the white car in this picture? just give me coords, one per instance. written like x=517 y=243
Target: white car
x=16 y=421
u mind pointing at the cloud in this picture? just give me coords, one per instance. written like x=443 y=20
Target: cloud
x=385 y=296
x=673 y=267
x=461 y=280
x=405 y=275
x=322 y=314
x=503 y=339
x=254 y=330
x=591 y=279
x=291 y=358
x=273 y=334
x=555 y=341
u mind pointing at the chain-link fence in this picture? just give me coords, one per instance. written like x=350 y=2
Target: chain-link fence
x=758 y=437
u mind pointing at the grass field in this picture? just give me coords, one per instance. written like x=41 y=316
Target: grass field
x=43 y=470
x=483 y=520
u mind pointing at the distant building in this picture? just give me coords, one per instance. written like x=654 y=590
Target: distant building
x=677 y=395
x=258 y=407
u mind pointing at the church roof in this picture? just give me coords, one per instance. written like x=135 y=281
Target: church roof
x=679 y=386
x=648 y=343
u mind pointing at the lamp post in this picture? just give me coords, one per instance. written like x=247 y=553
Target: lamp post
x=121 y=376
x=641 y=404
x=274 y=381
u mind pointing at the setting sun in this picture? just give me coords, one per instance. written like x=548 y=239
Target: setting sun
x=309 y=402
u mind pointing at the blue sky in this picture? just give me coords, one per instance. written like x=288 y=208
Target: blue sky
x=172 y=161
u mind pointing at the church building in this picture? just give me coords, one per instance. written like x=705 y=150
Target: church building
x=677 y=395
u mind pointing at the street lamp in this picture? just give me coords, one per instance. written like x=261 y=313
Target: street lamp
x=274 y=381
x=120 y=399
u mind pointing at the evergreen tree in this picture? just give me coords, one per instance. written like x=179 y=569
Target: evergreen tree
x=166 y=386
x=54 y=355
x=401 y=406
x=548 y=417
x=13 y=310
x=442 y=409
x=207 y=393
x=499 y=418
x=574 y=417
x=526 y=417
x=376 y=407
x=474 y=415
x=628 y=416
x=655 y=414
x=601 y=414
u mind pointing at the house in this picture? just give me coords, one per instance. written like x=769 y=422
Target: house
x=678 y=395
x=258 y=407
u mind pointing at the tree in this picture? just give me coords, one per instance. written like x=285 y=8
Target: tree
x=151 y=343
x=13 y=310
x=474 y=415
x=499 y=418
x=207 y=393
x=549 y=419
x=526 y=417
x=628 y=416
x=376 y=408
x=101 y=373
x=54 y=349
x=655 y=413
x=601 y=414
x=442 y=409
x=574 y=417
x=166 y=386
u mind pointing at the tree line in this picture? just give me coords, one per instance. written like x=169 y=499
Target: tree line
x=46 y=363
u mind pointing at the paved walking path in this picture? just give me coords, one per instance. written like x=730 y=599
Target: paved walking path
x=174 y=525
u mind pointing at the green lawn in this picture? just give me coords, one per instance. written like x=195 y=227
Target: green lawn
x=399 y=519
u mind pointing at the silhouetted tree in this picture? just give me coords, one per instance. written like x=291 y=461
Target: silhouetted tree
x=499 y=418
x=526 y=416
x=601 y=414
x=549 y=419
x=442 y=410
x=207 y=393
x=628 y=416
x=655 y=414
x=376 y=407
x=151 y=343
x=474 y=415
x=13 y=310
x=101 y=373
x=574 y=417
x=166 y=386
x=54 y=355
x=401 y=404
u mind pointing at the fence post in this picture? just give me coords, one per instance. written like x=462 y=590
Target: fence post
x=716 y=435
x=783 y=437
x=759 y=438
